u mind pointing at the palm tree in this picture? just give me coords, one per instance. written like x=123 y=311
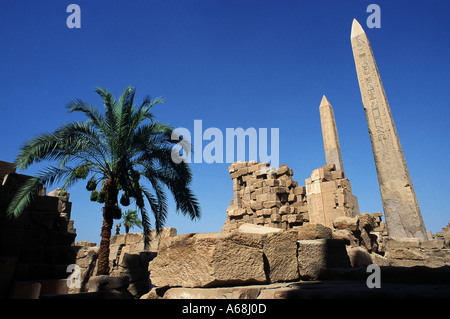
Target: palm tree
x=131 y=219
x=119 y=151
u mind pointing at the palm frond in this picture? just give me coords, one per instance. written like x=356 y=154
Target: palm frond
x=23 y=197
x=28 y=191
x=42 y=147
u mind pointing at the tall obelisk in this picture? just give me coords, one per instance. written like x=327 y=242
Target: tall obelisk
x=330 y=135
x=401 y=208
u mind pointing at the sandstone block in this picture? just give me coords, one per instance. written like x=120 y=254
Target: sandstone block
x=366 y=221
x=411 y=254
x=294 y=218
x=261 y=198
x=314 y=256
x=276 y=218
x=208 y=260
x=285 y=209
x=210 y=293
x=337 y=174
x=278 y=190
x=256 y=229
x=402 y=243
x=359 y=256
x=283 y=169
x=346 y=235
x=313 y=231
x=280 y=250
x=272 y=203
x=344 y=222
x=300 y=190
x=255 y=205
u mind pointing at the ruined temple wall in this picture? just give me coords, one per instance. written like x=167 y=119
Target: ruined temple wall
x=270 y=197
x=265 y=196
x=330 y=196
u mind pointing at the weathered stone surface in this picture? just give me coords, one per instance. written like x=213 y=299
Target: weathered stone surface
x=128 y=257
x=396 y=283
x=345 y=234
x=211 y=259
x=408 y=252
x=359 y=256
x=364 y=230
x=329 y=196
x=99 y=283
x=401 y=208
x=314 y=256
x=257 y=229
x=313 y=231
x=367 y=221
x=242 y=292
x=280 y=252
x=402 y=243
x=86 y=259
x=344 y=222
x=266 y=291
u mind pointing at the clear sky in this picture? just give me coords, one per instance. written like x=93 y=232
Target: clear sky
x=236 y=63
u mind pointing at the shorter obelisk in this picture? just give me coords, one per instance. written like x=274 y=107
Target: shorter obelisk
x=330 y=135
x=401 y=208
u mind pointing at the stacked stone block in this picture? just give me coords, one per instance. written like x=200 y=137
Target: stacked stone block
x=265 y=196
x=329 y=196
x=37 y=244
x=365 y=230
x=444 y=234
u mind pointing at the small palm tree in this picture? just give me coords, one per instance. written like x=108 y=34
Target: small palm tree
x=131 y=219
x=123 y=151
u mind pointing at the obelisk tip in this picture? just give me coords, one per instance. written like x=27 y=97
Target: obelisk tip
x=356 y=29
x=324 y=101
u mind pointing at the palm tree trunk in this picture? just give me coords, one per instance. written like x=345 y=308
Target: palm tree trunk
x=108 y=213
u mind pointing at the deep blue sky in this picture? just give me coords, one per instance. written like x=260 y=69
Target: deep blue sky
x=236 y=63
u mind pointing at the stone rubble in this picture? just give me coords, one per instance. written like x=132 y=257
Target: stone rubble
x=270 y=197
x=236 y=258
x=264 y=196
x=127 y=258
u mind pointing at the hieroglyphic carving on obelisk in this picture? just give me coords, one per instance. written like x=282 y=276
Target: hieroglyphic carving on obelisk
x=330 y=135
x=401 y=208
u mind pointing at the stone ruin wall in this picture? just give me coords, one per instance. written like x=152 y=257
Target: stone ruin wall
x=444 y=234
x=270 y=197
x=264 y=196
x=330 y=196
x=35 y=248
